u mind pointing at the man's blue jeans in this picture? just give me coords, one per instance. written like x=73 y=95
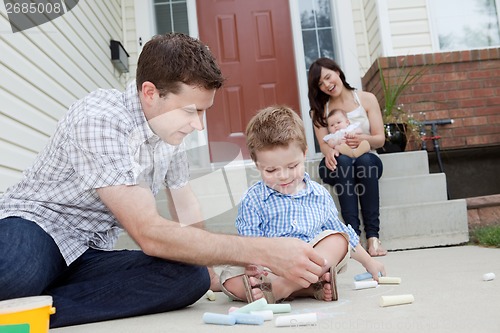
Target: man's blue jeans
x=355 y=179
x=100 y=285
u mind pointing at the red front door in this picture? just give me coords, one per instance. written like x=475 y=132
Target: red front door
x=253 y=43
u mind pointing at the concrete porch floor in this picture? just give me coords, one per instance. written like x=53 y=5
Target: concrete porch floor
x=450 y=296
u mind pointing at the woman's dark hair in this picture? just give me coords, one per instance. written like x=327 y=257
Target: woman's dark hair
x=317 y=98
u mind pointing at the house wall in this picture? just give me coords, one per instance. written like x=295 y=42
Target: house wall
x=43 y=70
x=390 y=28
x=461 y=85
x=130 y=36
x=409 y=27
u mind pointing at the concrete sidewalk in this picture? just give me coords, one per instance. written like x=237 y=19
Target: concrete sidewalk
x=450 y=296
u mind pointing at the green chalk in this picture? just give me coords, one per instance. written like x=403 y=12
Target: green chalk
x=257 y=305
x=278 y=308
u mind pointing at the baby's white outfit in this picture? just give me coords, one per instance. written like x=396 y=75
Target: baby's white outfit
x=339 y=135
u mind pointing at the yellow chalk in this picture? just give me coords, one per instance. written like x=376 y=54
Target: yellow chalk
x=389 y=280
x=210 y=295
x=396 y=300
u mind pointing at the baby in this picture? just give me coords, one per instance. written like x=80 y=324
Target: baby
x=339 y=126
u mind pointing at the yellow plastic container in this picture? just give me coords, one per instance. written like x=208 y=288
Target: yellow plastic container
x=16 y=315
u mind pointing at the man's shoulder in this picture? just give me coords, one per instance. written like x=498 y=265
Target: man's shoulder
x=100 y=104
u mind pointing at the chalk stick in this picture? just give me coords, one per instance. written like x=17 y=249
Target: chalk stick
x=247 y=318
x=296 y=320
x=218 y=319
x=265 y=314
x=389 y=280
x=257 y=305
x=364 y=276
x=364 y=284
x=210 y=295
x=488 y=276
x=396 y=300
x=278 y=308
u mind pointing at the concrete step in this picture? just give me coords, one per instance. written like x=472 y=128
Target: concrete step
x=413 y=189
x=424 y=225
x=405 y=164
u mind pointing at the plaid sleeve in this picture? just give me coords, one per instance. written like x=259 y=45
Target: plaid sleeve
x=98 y=150
x=178 y=171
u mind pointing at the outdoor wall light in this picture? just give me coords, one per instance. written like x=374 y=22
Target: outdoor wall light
x=119 y=57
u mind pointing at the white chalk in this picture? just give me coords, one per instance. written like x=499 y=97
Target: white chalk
x=396 y=300
x=364 y=284
x=304 y=319
x=218 y=319
x=210 y=295
x=389 y=280
x=278 y=308
x=265 y=314
x=257 y=305
x=488 y=276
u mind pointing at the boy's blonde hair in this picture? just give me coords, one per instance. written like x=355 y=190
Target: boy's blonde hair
x=275 y=126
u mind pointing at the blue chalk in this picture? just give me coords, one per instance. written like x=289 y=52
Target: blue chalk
x=218 y=319
x=248 y=319
x=364 y=276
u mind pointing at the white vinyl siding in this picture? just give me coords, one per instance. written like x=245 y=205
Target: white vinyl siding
x=130 y=37
x=409 y=26
x=43 y=70
x=389 y=28
x=372 y=28
x=360 y=30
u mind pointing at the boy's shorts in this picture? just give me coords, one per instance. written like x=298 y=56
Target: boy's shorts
x=229 y=272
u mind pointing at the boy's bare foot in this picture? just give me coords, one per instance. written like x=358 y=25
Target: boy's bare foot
x=321 y=290
x=214 y=280
x=257 y=288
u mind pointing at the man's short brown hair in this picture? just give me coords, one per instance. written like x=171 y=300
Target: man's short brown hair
x=174 y=58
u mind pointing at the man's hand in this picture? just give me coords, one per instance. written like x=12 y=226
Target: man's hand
x=293 y=259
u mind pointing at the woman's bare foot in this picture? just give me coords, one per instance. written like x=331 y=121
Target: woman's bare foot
x=375 y=248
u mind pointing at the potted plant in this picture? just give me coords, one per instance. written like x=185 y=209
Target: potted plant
x=399 y=123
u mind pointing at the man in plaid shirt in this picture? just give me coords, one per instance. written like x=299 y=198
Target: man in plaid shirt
x=100 y=173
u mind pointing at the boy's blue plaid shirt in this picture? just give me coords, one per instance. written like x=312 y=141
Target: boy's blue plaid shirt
x=266 y=212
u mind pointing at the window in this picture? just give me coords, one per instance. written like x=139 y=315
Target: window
x=465 y=24
x=171 y=16
x=317 y=29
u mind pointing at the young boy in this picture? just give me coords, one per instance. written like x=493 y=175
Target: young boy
x=287 y=203
x=339 y=127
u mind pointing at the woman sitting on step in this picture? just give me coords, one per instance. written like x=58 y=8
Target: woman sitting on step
x=354 y=179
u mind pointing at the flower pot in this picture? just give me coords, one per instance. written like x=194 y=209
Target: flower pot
x=395 y=138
